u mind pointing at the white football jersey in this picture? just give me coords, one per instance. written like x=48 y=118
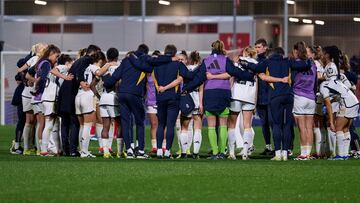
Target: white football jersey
x=245 y=91
x=319 y=67
x=63 y=70
x=345 y=81
x=335 y=88
x=89 y=73
x=109 y=98
x=194 y=94
x=51 y=88
x=31 y=62
x=192 y=67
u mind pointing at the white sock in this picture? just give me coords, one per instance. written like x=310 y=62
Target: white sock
x=347 y=139
x=318 y=140
x=308 y=150
x=132 y=145
x=247 y=140
x=49 y=123
x=120 y=145
x=153 y=143
x=239 y=131
x=111 y=136
x=37 y=140
x=55 y=135
x=332 y=141
x=340 y=143
x=86 y=137
x=284 y=153
x=80 y=135
x=26 y=135
x=99 y=128
x=302 y=151
x=252 y=137
x=183 y=141
x=136 y=143
x=231 y=141
x=190 y=137
x=197 y=140
x=178 y=131
x=105 y=145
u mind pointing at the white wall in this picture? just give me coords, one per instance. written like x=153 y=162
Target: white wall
x=123 y=33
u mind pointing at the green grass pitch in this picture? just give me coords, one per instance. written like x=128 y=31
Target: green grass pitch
x=61 y=179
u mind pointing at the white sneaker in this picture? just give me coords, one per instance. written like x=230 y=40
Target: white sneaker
x=159 y=153
x=251 y=150
x=245 y=157
x=167 y=154
x=276 y=158
x=86 y=155
x=232 y=157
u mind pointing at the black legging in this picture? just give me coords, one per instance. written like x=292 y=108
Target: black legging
x=354 y=145
x=69 y=133
x=20 y=123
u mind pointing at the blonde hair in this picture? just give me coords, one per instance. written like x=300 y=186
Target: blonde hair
x=39 y=49
x=81 y=52
x=250 y=51
x=218 y=46
x=345 y=63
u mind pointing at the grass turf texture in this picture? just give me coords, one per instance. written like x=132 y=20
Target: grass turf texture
x=60 y=179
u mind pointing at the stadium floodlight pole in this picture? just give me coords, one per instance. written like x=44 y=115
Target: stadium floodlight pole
x=143 y=13
x=286 y=27
x=2 y=74
x=234 y=24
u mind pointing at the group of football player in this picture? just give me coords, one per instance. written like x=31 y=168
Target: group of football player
x=61 y=99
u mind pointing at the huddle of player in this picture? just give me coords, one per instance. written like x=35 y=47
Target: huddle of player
x=63 y=99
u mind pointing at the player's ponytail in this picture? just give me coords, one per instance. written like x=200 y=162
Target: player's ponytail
x=300 y=48
x=194 y=58
x=250 y=52
x=345 y=63
x=51 y=49
x=219 y=47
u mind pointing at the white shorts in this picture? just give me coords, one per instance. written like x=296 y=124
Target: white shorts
x=26 y=104
x=237 y=106
x=49 y=108
x=151 y=109
x=335 y=107
x=303 y=106
x=352 y=112
x=37 y=108
x=84 y=102
x=107 y=111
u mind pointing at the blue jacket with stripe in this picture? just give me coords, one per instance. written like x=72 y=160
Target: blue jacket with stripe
x=165 y=74
x=263 y=88
x=132 y=73
x=279 y=67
